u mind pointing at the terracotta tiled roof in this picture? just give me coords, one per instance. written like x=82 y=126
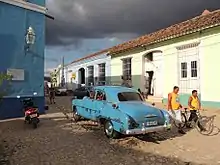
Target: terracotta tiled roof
x=204 y=21
x=91 y=55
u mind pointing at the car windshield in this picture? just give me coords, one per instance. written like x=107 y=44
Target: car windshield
x=129 y=96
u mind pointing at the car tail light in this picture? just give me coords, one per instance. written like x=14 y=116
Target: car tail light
x=132 y=123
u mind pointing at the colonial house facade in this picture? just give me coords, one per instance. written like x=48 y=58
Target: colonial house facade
x=184 y=55
x=22 y=40
x=90 y=70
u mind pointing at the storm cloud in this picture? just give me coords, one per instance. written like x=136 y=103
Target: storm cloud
x=76 y=20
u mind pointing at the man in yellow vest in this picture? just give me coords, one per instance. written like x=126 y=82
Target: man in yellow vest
x=194 y=105
x=174 y=107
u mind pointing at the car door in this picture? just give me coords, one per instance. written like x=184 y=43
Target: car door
x=87 y=106
x=98 y=104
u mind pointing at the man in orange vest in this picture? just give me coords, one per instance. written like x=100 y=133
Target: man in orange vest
x=174 y=107
x=194 y=105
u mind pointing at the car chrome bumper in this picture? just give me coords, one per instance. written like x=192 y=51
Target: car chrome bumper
x=147 y=130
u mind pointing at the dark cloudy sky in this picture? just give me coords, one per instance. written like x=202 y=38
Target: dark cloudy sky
x=85 y=26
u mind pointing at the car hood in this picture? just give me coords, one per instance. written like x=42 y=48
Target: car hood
x=139 y=110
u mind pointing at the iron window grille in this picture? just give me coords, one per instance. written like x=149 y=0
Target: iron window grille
x=193 y=68
x=102 y=74
x=126 y=68
x=91 y=75
x=184 y=70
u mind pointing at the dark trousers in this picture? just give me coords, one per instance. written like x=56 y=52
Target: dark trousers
x=52 y=96
x=194 y=117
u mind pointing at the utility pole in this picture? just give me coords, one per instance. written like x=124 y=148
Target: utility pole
x=63 y=78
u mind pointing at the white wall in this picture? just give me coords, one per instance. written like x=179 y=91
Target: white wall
x=93 y=61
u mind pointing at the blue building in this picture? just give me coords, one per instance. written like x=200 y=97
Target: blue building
x=22 y=43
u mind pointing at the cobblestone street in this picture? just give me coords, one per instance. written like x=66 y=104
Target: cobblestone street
x=58 y=141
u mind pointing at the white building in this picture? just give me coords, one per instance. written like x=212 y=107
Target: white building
x=184 y=55
x=89 y=70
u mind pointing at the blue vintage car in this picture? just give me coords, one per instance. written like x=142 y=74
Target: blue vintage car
x=121 y=110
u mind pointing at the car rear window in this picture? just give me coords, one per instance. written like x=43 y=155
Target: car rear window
x=129 y=96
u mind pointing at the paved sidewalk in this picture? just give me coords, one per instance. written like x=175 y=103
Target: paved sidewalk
x=58 y=141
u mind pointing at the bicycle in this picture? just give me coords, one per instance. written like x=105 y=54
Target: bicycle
x=204 y=122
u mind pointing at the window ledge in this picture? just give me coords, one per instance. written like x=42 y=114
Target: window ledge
x=26 y=5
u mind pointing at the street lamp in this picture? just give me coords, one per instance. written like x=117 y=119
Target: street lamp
x=30 y=38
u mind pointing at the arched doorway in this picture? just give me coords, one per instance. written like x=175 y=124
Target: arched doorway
x=81 y=76
x=153 y=73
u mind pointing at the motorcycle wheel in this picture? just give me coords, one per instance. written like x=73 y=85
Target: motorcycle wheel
x=27 y=120
x=34 y=122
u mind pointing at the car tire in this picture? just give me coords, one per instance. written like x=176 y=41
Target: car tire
x=76 y=117
x=109 y=130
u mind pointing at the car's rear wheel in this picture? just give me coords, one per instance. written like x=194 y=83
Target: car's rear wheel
x=76 y=117
x=109 y=130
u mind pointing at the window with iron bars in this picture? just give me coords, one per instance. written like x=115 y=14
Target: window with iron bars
x=126 y=68
x=91 y=75
x=193 y=68
x=102 y=74
x=184 y=70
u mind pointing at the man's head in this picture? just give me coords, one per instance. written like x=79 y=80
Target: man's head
x=176 y=89
x=91 y=94
x=195 y=93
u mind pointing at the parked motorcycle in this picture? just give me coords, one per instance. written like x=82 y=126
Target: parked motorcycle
x=30 y=111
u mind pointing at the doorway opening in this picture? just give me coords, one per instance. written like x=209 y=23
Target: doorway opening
x=149 y=57
x=82 y=76
x=149 y=82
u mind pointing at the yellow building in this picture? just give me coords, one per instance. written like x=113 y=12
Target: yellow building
x=185 y=55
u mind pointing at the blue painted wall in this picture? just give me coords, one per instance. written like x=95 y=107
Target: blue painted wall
x=14 y=24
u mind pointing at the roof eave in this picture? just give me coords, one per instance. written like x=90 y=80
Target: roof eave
x=166 y=38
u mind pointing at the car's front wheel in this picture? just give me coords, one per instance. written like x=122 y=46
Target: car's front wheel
x=76 y=117
x=109 y=130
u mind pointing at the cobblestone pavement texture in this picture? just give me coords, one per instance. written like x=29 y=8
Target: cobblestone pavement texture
x=58 y=141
